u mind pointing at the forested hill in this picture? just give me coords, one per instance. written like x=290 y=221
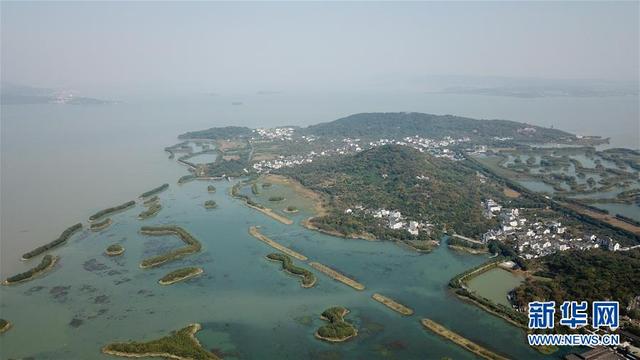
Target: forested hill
x=402 y=124
x=218 y=133
x=397 y=178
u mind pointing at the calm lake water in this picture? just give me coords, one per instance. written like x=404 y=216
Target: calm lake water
x=495 y=285
x=62 y=163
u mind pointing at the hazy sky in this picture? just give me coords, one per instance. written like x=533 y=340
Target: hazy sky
x=238 y=47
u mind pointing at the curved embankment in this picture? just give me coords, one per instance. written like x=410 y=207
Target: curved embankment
x=336 y=275
x=308 y=278
x=111 y=210
x=460 y=340
x=47 y=263
x=101 y=225
x=154 y=191
x=5 y=325
x=193 y=245
x=180 y=275
x=337 y=330
x=114 y=250
x=59 y=241
x=253 y=230
x=180 y=345
x=392 y=304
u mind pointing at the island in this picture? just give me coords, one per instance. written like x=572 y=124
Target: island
x=186 y=178
x=308 y=278
x=111 y=210
x=100 y=225
x=210 y=204
x=276 y=198
x=180 y=345
x=255 y=232
x=154 y=191
x=57 y=242
x=47 y=263
x=152 y=210
x=336 y=275
x=211 y=188
x=5 y=325
x=392 y=304
x=290 y=209
x=337 y=330
x=460 y=340
x=114 y=250
x=193 y=245
x=150 y=200
x=180 y=275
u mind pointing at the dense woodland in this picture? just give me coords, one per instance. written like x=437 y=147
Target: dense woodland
x=400 y=125
x=444 y=192
x=585 y=275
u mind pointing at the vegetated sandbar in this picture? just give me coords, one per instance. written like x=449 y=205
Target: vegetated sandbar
x=101 y=225
x=460 y=340
x=336 y=275
x=154 y=191
x=180 y=345
x=308 y=278
x=152 y=210
x=59 y=241
x=193 y=245
x=150 y=200
x=180 y=275
x=46 y=264
x=392 y=304
x=5 y=325
x=337 y=330
x=114 y=250
x=253 y=230
x=111 y=210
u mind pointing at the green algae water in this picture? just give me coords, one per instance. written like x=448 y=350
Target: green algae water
x=248 y=307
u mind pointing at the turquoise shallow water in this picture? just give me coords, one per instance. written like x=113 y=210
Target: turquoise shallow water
x=249 y=309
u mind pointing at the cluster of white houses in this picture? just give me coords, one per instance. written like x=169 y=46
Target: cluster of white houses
x=392 y=219
x=540 y=238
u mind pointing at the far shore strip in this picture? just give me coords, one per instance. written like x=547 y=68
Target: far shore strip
x=255 y=232
x=461 y=341
x=392 y=304
x=336 y=275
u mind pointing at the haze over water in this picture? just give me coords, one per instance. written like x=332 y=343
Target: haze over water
x=60 y=163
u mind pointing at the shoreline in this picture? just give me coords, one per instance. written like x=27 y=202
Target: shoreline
x=392 y=304
x=336 y=275
x=35 y=275
x=306 y=223
x=460 y=340
x=253 y=231
x=187 y=277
